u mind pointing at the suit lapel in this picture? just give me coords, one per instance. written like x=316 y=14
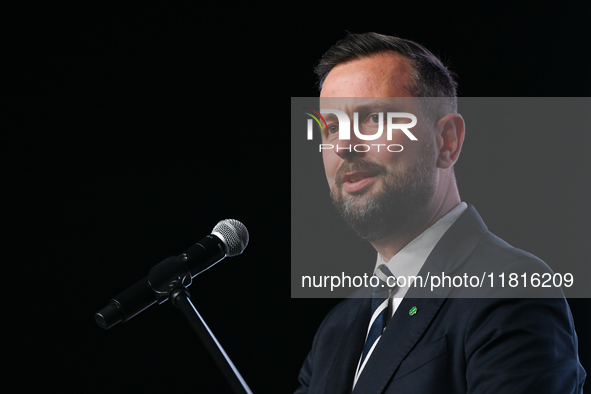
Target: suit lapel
x=400 y=337
x=404 y=331
x=342 y=371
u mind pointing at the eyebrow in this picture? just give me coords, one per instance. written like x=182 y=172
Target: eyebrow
x=329 y=116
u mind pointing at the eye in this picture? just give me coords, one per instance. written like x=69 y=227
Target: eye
x=333 y=129
x=375 y=118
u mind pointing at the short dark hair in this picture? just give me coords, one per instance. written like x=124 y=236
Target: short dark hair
x=431 y=77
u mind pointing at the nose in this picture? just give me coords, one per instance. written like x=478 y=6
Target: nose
x=349 y=149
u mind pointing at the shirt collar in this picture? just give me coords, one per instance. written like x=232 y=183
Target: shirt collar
x=409 y=260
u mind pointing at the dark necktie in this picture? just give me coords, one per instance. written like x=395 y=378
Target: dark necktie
x=380 y=297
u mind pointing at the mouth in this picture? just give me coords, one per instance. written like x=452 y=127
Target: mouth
x=356 y=181
x=356 y=176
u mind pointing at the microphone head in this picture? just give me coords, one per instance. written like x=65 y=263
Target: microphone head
x=233 y=234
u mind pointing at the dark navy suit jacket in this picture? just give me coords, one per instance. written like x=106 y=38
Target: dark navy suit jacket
x=455 y=345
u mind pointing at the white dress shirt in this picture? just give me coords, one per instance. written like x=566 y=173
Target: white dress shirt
x=410 y=259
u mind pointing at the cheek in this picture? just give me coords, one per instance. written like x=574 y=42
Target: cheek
x=383 y=156
x=394 y=160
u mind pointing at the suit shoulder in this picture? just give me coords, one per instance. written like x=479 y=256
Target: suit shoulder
x=499 y=254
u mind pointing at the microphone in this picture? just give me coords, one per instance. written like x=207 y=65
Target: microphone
x=228 y=238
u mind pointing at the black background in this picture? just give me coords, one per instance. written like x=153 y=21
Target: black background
x=130 y=132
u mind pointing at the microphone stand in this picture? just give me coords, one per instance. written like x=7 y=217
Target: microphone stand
x=168 y=280
x=180 y=297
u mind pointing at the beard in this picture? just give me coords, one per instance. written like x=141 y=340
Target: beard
x=385 y=212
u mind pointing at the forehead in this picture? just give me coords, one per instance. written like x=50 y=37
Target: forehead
x=365 y=105
x=382 y=75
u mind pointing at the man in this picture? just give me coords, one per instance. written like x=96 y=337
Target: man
x=407 y=205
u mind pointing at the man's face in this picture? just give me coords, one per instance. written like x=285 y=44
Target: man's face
x=377 y=192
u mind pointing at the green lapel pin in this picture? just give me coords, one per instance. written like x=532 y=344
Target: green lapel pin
x=413 y=311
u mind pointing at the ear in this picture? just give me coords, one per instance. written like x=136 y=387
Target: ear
x=450 y=137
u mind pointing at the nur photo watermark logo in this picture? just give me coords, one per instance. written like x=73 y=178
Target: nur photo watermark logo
x=335 y=126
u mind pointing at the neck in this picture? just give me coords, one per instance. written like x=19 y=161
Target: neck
x=438 y=208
